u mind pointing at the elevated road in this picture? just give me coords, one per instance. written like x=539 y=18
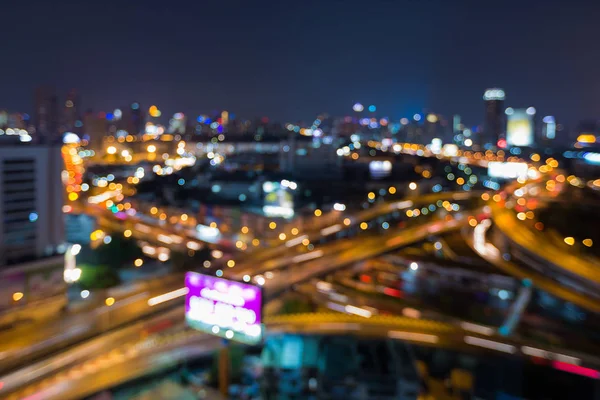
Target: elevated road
x=479 y=242
x=518 y=233
x=120 y=362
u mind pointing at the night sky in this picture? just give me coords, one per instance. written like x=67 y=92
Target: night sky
x=291 y=60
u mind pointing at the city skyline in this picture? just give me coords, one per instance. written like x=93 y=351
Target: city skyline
x=258 y=63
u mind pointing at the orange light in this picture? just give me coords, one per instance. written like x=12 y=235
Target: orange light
x=586 y=138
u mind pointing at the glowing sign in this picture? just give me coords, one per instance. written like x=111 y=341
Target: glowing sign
x=380 y=169
x=493 y=94
x=507 y=170
x=519 y=129
x=279 y=199
x=224 y=308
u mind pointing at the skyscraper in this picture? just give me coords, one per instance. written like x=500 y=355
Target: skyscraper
x=520 y=127
x=95 y=128
x=46 y=115
x=31 y=199
x=494 y=122
x=71 y=112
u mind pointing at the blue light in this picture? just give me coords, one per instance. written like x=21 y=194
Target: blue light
x=491 y=185
x=33 y=217
x=78 y=124
x=385 y=225
x=242 y=197
x=207 y=121
x=417 y=117
x=200 y=119
x=592 y=158
x=372 y=108
x=219 y=273
x=109 y=116
x=181 y=181
x=135 y=106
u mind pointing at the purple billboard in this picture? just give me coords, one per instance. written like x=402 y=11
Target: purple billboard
x=224 y=308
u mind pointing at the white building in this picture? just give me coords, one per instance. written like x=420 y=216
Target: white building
x=31 y=200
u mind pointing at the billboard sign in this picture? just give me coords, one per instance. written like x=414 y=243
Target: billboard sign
x=507 y=170
x=225 y=308
x=279 y=198
x=519 y=128
x=380 y=169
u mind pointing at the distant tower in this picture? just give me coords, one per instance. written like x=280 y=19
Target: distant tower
x=46 y=115
x=494 y=122
x=549 y=128
x=456 y=124
x=71 y=112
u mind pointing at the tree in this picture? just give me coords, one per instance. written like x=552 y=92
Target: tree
x=119 y=251
x=98 y=276
x=186 y=262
